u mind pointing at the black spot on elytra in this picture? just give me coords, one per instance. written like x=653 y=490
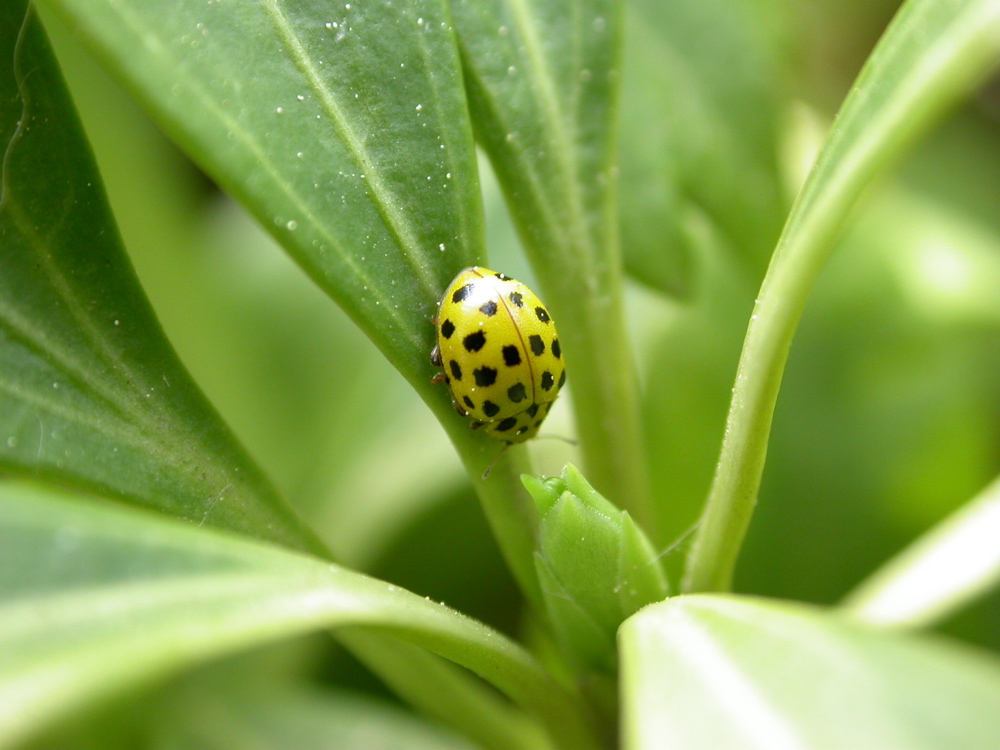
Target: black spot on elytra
x=516 y=393
x=447 y=328
x=523 y=430
x=542 y=314
x=533 y=410
x=506 y=424
x=468 y=402
x=537 y=345
x=490 y=409
x=547 y=381
x=562 y=379
x=511 y=355
x=489 y=309
x=486 y=376
x=556 y=348
x=474 y=341
x=456 y=369
x=515 y=299
x=461 y=293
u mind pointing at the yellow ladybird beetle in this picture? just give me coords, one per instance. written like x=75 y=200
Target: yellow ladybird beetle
x=500 y=354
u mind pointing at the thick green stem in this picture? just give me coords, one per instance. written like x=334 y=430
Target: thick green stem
x=506 y=504
x=602 y=377
x=549 y=126
x=934 y=53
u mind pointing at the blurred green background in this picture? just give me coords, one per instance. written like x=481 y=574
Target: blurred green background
x=889 y=416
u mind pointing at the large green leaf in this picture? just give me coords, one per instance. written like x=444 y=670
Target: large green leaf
x=543 y=80
x=933 y=53
x=727 y=672
x=217 y=716
x=90 y=391
x=93 y=599
x=93 y=395
x=343 y=128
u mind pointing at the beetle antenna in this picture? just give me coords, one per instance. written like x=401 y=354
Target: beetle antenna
x=568 y=441
x=495 y=459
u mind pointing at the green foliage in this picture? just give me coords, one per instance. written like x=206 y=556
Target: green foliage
x=91 y=392
x=595 y=565
x=746 y=671
x=131 y=597
x=160 y=587
x=543 y=83
x=333 y=125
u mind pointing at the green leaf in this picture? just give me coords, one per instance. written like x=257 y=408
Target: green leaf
x=734 y=672
x=208 y=716
x=90 y=391
x=443 y=691
x=94 y=599
x=954 y=563
x=703 y=83
x=345 y=131
x=342 y=128
x=84 y=359
x=543 y=82
x=933 y=53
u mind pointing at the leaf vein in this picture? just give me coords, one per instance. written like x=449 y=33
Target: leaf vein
x=264 y=161
x=395 y=221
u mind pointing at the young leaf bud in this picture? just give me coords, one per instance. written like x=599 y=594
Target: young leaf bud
x=595 y=566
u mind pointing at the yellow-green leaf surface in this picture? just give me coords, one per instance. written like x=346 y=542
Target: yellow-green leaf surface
x=341 y=126
x=94 y=599
x=543 y=79
x=933 y=53
x=91 y=393
x=213 y=717
x=729 y=672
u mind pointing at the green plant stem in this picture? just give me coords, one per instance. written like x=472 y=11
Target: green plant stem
x=550 y=137
x=932 y=54
x=421 y=678
x=506 y=504
x=456 y=698
x=604 y=387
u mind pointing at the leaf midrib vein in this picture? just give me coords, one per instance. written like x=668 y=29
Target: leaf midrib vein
x=466 y=233
x=396 y=222
x=128 y=433
x=558 y=124
x=266 y=163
